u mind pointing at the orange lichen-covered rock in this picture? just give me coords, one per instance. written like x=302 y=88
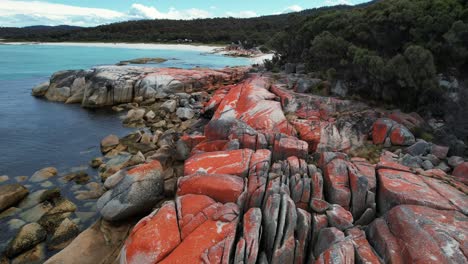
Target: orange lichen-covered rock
x=234 y=162
x=401 y=187
x=364 y=253
x=252 y=104
x=337 y=183
x=428 y=235
x=204 y=243
x=143 y=244
x=210 y=146
x=381 y=130
x=221 y=187
x=401 y=136
x=461 y=172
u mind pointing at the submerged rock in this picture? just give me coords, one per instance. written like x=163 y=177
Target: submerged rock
x=43 y=174
x=28 y=236
x=11 y=194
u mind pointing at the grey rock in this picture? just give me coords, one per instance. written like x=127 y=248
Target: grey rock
x=340 y=89
x=41 y=89
x=427 y=165
x=419 y=148
x=132 y=191
x=111 y=85
x=305 y=85
x=454 y=161
x=326 y=238
x=432 y=158
x=158 y=86
x=443 y=166
x=185 y=113
x=412 y=162
x=339 y=217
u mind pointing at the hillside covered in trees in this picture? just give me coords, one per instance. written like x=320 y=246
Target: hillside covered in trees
x=391 y=50
x=256 y=31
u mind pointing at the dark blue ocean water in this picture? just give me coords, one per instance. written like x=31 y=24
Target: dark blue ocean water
x=35 y=133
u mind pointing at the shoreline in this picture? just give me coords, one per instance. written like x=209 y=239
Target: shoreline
x=146 y=46
x=155 y=46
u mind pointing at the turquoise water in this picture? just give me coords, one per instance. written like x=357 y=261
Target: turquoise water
x=35 y=133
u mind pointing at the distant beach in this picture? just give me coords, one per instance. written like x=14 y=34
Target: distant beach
x=146 y=46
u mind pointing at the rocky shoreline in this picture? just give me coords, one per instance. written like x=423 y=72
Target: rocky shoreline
x=245 y=166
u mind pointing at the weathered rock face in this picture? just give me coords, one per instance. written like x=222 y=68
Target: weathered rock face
x=251 y=195
x=261 y=181
x=410 y=233
x=132 y=191
x=111 y=85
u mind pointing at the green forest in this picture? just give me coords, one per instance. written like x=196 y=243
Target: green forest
x=391 y=50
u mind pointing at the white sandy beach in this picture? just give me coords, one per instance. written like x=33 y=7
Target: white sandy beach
x=194 y=47
x=149 y=46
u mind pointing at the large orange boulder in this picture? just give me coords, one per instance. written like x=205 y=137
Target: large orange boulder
x=419 y=234
x=221 y=187
x=234 y=162
x=141 y=245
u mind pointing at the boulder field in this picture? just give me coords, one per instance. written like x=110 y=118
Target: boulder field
x=270 y=175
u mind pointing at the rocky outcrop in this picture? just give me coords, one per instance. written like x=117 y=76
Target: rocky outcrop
x=252 y=194
x=112 y=85
x=264 y=174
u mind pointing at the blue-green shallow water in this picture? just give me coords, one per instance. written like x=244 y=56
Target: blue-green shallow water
x=35 y=133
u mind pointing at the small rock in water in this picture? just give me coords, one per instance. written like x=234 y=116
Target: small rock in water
x=14 y=224
x=78 y=177
x=11 y=194
x=96 y=162
x=135 y=115
x=46 y=184
x=21 y=178
x=43 y=174
x=4 y=178
x=36 y=255
x=108 y=143
x=29 y=236
x=66 y=231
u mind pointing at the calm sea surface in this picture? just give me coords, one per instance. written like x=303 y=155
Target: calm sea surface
x=35 y=133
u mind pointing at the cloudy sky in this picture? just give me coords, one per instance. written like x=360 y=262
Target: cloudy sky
x=19 y=13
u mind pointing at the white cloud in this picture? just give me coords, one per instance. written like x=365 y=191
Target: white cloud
x=150 y=12
x=242 y=14
x=26 y=13
x=293 y=8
